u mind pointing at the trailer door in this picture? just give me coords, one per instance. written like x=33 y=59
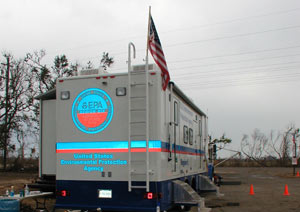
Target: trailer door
x=200 y=140
x=176 y=132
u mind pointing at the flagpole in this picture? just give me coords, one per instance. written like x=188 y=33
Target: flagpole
x=147 y=106
x=148 y=32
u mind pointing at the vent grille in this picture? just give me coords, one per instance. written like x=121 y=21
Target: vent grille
x=92 y=72
x=137 y=68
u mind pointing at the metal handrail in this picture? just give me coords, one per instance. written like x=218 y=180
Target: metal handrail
x=129 y=114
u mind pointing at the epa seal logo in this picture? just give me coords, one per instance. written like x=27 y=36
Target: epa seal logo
x=92 y=110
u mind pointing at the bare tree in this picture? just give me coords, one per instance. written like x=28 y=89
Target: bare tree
x=283 y=149
x=106 y=61
x=20 y=81
x=222 y=141
x=89 y=65
x=45 y=77
x=277 y=145
x=254 y=146
x=274 y=145
x=285 y=146
x=16 y=101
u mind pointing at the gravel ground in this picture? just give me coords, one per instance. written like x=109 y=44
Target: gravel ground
x=269 y=186
x=268 y=183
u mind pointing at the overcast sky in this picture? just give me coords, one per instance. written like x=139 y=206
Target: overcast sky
x=237 y=59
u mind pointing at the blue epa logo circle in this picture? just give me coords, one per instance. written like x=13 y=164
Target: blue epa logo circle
x=92 y=110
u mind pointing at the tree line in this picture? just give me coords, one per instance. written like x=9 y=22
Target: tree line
x=22 y=79
x=280 y=146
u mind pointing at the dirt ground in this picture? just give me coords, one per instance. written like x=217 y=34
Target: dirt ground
x=269 y=186
x=16 y=179
x=268 y=183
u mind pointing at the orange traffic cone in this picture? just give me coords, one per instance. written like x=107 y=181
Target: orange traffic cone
x=286 y=191
x=251 y=190
x=298 y=175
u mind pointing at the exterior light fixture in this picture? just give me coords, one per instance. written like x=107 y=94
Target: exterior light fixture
x=65 y=95
x=121 y=91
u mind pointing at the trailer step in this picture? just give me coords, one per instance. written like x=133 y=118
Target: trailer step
x=185 y=195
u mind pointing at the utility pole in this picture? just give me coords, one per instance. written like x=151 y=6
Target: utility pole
x=6 y=110
x=295 y=135
x=285 y=156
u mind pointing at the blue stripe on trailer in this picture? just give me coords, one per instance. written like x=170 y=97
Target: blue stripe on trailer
x=92 y=145
x=107 y=145
x=123 y=145
x=142 y=144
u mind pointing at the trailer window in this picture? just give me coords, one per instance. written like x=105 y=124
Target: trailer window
x=191 y=136
x=185 y=134
x=176 y=113
x=200 y=130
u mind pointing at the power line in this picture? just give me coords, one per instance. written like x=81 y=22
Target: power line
x=181 y=29
x=244 y=83
x=209 y=57
x=218 y=56
x=235 y=54
x=226 y=37
x=249 y=60
x=213 y=71
x=213 y=39
x=229 y=74
x=241 y=80
x=238 y=68
x=213 y=57
x=233 y=36
x=233 y=20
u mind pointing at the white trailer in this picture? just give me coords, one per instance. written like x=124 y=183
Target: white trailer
x=47 y=151
x=121 y=142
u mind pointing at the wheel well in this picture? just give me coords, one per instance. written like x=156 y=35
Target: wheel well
x=194 y=183
x=187 y=181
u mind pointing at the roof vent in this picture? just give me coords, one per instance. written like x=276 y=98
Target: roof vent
x=98 y=71
x=137 y=68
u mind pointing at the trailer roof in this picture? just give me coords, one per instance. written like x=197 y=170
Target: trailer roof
x=177 y=90
x=51 y=94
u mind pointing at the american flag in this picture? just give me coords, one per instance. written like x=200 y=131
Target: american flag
x=158 y=54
